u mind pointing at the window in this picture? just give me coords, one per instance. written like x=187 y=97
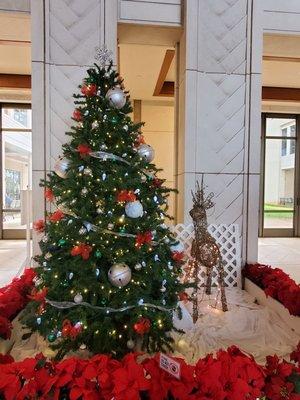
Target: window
x=284 y=142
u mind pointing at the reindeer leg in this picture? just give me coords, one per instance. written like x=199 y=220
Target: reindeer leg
x=208 y=280
x=222 y=286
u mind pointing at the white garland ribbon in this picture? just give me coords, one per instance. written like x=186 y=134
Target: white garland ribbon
x=62 y=305
x=103 y=156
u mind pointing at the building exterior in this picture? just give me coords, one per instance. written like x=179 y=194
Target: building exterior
x=218 y=85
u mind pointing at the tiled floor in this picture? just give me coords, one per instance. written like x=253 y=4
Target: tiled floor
x=12 y=258
x=281 y=252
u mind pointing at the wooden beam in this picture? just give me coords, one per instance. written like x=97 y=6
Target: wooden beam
x=14 y=81
x=280 y=93
x=281 y=58
x=163 y=72
x=25 y=43
x=167 y=89
x=137 y=111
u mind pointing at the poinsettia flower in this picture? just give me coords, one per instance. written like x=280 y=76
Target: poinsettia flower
x=82 y=250
x=279 y=389
x=129 y=379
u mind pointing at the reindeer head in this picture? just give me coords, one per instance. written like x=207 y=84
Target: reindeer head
x=201 y=203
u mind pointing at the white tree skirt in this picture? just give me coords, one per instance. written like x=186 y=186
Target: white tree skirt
x=255 y=329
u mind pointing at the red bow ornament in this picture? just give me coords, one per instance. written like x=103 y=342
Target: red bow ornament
x=126 y=195
x=177 y=255
x=139 y=140
x=84 y=150
x=142 y=326
x=49 y=196
x=82 y=250
x=77 y=115
x=56 y=216
x=89 y=90
x=39 y=225
x=38 y=295
x=68 y=330
x=143 y=238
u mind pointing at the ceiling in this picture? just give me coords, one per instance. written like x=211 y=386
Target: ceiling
x=282 y=66
x=15 y=49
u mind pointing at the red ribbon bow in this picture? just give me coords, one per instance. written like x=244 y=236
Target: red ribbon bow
x=139 y=140
x=143 y=238
x=126 y=195
x=84 y=150
x=39 y=225
x=56 y=216
x=82 y=250
x=49 y=196
x=177 y=255
x=68 y=330
x=77 y=115
x=89 y=90
x=142 y=326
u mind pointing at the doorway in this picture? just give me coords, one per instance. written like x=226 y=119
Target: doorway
x=280 y=176
x=16 y=170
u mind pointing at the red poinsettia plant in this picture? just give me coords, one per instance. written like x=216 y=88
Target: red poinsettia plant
x=13 y=299
x=276 y=284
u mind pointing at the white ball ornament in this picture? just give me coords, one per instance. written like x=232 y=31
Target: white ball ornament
x=119 y=275
x=116 y=97
x=177 y=247
x=134 y=209
x=146 y=152
x=138 y=266
x=78 y=298
x=61 y=167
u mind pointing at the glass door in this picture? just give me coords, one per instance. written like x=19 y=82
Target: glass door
x=16 y=169
x=279 y=190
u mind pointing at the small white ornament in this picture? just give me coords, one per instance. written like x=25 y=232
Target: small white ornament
x=110 y=226
x=78 y=298
x=104 y=176
x=48 y=256
x=82 y=346
x=71 y=275
x=163 y=289
x=130 y=344
x=87 y=171
x=125 y=127
x=119 y=274
x=99 y=210
x=61 y=167
x=84 y=191
x=44 y=239
x=146 y=152
x=82 y=230
x=116 y=97
x=138 y=267
x=141 y=302
x=134 y=209
x=95 y=124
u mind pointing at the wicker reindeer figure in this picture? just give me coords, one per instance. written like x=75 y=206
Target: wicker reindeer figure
x=205 y=251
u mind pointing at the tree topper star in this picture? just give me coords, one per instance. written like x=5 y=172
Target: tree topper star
x=103 y=55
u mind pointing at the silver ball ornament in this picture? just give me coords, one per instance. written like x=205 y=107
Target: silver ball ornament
x=134 y=209
x=146 y=152
x=78 y=298
x=119 y=275
x=130 y=344
x=61 y=167
x=116 y=97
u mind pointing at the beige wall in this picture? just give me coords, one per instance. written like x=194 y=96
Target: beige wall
x=159 y=133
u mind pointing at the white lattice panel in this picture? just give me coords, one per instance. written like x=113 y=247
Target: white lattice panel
x=227 y=238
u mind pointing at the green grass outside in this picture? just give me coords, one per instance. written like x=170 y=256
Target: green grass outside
x=275 y=207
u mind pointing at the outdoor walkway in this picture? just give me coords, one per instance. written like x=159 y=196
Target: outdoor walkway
x=281 y=252
x=12 y=257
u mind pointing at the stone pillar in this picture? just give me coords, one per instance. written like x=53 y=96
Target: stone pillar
x=64 y=36
x=219 y=89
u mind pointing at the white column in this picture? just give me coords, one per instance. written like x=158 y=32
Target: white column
x=64 y=37
x=219 y=104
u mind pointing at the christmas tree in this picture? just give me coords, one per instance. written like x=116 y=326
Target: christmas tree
x=108 y=269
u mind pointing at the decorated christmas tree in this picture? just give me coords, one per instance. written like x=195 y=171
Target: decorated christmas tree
x=109 y=266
